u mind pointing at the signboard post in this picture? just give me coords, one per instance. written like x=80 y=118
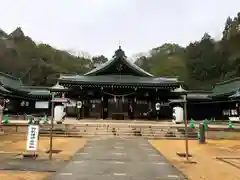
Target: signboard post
x=62 y=100
x=1 y=113
x=32 y=138
x=53 y=90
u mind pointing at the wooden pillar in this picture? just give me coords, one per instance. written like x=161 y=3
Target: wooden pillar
x=79 y=109
x=134 y=104
x=149 y=109
x=102 y=107
x=237 y=106
x=83 y=108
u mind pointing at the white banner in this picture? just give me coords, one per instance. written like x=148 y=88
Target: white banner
x=32 y=138
x=41 y=104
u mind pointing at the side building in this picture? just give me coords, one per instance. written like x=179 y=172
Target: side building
x=19 y=99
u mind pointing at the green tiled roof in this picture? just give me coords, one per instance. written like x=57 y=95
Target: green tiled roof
x=117 y=79
x=226 y=88
x=198 y=95
x=40 y=92
x=37 y=90
x=119 y=55
x=9 y=81
x=4 y=90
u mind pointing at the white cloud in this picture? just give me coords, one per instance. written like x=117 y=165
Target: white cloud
x=96 y=26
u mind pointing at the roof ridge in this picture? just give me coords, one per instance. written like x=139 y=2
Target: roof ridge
x=120 y=54
x=100 y=66
x=10 y=76
x=136 y=66
x=228 y=81
x=199 y=91
x=35 y=87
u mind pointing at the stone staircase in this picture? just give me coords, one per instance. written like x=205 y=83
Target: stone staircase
x=122 y=130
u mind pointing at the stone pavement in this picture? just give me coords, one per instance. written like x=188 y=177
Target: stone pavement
x=118 y=159
x=30 y=165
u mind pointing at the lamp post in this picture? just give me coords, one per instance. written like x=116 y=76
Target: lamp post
x=183 y=94
x=54 y=89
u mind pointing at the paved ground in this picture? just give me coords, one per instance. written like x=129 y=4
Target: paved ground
x=118 y=159
x=30 y=165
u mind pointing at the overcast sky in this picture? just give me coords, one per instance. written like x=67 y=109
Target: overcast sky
x=97 y=26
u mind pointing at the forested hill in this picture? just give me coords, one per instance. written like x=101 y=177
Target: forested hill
x=39 y=64
x=201 y=64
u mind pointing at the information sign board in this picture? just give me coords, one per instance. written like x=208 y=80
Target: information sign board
x=32 y=138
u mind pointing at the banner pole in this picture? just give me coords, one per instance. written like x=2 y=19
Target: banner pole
x=51 y=129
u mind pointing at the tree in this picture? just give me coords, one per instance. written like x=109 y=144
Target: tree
x=166 y=60
x=203 y=59
x=98 y=60
x=22 y=57
x=171 y=66
x=200 y=64
x=227 y=28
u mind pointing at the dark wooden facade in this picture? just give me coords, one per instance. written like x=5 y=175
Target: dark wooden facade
x=19 y=99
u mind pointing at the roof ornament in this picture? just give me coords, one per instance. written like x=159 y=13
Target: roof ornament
x=57 y=88
x=119 y=53
x=236 y=95
x=179 y=90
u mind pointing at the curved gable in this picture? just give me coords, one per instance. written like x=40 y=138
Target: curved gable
x=119 y=65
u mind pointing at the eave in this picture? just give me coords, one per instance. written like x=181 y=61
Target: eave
x=100 y=85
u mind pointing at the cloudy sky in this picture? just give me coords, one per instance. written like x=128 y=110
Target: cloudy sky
x=97 y=26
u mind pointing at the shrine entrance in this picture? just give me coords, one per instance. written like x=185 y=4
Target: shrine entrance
x=119 y=90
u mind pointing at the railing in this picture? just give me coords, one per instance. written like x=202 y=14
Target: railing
x=24 y=116
x=223 y=133
x=16 y=117
x=86 y=130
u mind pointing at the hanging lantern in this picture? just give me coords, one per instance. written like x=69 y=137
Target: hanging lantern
x=63 y=95
x=102 y=98
x=79 y=104
x=22 y=103
x=115 y=99
x=26 y=103
x=123 y=99
x=157 y=106
x=135 y=99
